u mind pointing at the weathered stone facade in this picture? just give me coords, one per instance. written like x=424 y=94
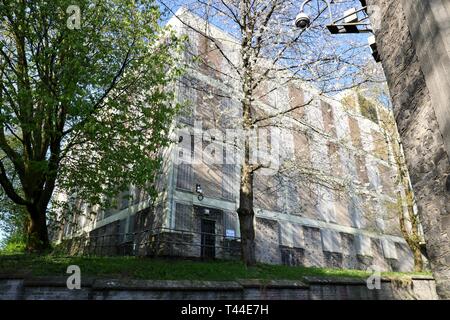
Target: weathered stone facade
x=299 y=220
x=414 y=42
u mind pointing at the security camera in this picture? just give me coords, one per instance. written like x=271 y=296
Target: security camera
x=302 y=21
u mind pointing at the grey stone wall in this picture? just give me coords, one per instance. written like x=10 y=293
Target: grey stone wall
x=413 y=40
x=267 y=241
x=312 y=288
x=286 y=198
x=340 y=251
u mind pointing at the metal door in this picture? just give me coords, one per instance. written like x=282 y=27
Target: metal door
x=208 y=230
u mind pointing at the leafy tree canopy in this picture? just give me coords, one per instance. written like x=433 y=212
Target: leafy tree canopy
x=84 y=98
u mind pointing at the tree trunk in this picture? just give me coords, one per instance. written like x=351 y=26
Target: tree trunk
x=247 y=238
x=246 y=215
x=411 y=237
x=418 y=261
x=37 y=237
x=245 y=210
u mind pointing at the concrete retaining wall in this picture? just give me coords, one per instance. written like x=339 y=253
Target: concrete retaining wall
x=312 y=288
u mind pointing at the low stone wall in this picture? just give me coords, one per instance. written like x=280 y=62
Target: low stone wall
x=311 y=288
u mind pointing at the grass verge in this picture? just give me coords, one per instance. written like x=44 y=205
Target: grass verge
x=166 y=269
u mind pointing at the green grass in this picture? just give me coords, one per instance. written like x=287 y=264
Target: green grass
x=164 y=269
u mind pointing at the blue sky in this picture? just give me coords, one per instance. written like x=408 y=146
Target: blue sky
x=349 y=47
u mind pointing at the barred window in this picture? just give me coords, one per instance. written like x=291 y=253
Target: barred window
x=131 y=227
x=362 y=169
x=156 y=219
x=363 y=245
x=328 y=118
x=187 y=97
x=389 y=249
x=327 y=205
x=183 y=217
x=230 y=223
x=185 y=174
x=291 y=234
x=191 y=46
x=296 y=99
x=229 y=111
x=293 y=203
x=122 y=231
x=355 y=133
x=380 y=145
x=331 y=241
x=355 y=211
x=228 y=179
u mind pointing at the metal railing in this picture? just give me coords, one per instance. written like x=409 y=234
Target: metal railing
x=160 y=242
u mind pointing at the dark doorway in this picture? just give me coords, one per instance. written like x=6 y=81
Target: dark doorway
x=208 y=230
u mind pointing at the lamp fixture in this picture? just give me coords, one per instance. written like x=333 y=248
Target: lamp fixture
x=353 y=21
x=198 y=189
x=349 y=23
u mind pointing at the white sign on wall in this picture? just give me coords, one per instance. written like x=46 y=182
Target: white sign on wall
x=230 y=233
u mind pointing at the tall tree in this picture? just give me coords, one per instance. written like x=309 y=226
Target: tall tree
x=268 y=49
x=82 y=94
x=409 y=218
x=13 y=218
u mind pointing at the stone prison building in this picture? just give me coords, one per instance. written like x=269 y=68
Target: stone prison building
x=330 y=199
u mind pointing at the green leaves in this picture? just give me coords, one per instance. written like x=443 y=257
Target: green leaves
x=92 y=104
x=124 y=121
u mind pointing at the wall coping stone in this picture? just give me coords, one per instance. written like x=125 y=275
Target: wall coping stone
x=54 y=281
x=143 y=285
x=288 y=284
x=13 y=276
x=338 y=280
x=239 y=284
